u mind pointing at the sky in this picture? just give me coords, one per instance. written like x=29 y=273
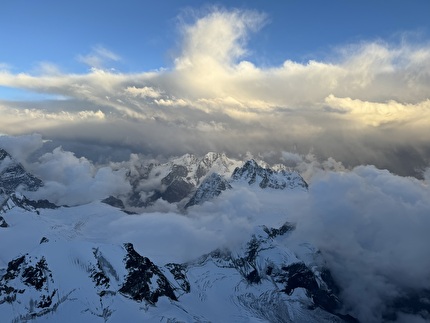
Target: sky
x=342 y=79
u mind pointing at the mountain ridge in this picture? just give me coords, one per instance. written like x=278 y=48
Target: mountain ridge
x=33 y=287
x=14 y=176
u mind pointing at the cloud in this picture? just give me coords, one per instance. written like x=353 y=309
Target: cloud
x=217 y=39
x=382 y=113
x=69 y=180
x=21 y=147
x=370 y=226
x=143 y=92
x=365 y=103
x=98 y=56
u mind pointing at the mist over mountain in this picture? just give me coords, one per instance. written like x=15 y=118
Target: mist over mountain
x=167 y=163
x=365 y=226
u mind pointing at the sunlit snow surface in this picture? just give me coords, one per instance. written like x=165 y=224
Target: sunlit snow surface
x=218 y=294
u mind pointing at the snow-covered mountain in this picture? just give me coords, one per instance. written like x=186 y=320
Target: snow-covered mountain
x=260 y=280
x=14 y=180
x=250 y=173
x=63 y=264
x=13 y=176
x=96 y=263
x=176 y=180
x=189 y=180
x=211 y=187
x=265 y=177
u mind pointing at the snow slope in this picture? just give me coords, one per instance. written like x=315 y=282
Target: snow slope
x=96 y=263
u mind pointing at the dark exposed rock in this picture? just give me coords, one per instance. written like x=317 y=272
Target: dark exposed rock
x=321 y=291
x=179 y=273
x=189 y=177
x=114 y=201
x=175 y=180
x=144 y=281
x=298 y=275
x=36 y=276
x=46 y=300
x=252 y=173
x=210 y=188
x=18 y=200
x=102 y=271
x=13 y=267
x=44 y=240
x=253 y=277
x=13 y=175
x=3 y=223
x=177 y=190
x=274 y=232
x=178 y=171
x=25 y=203
x=99 y=278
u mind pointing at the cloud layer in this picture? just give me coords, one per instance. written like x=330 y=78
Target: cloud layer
x=366 y=103
x=370 y=225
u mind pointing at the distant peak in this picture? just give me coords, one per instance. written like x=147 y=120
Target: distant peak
x=251 y=172
x=13 y=175
x=4 y=154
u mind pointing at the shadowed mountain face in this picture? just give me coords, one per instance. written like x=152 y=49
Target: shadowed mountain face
x=13 y=175
x=253 y=173
x=211 y=187
x=189 y=180
x=14 y=179
x=176 y=180
x=257 y=278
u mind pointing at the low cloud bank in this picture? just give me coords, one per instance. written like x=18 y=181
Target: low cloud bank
x=372 y=227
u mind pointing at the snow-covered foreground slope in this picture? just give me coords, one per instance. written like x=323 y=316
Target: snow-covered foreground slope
x=68 y=264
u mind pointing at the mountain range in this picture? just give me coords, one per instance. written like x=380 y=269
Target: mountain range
x=74 y=263
x=189 y=180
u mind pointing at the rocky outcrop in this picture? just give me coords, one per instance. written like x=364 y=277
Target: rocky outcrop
x=13 y=175
x=252 y=173
x=144 y=281
x=211 y=187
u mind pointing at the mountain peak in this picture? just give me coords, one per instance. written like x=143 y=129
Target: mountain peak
x=251 y=172
x=4 y=154
x=210 y=188
x=13 y=175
